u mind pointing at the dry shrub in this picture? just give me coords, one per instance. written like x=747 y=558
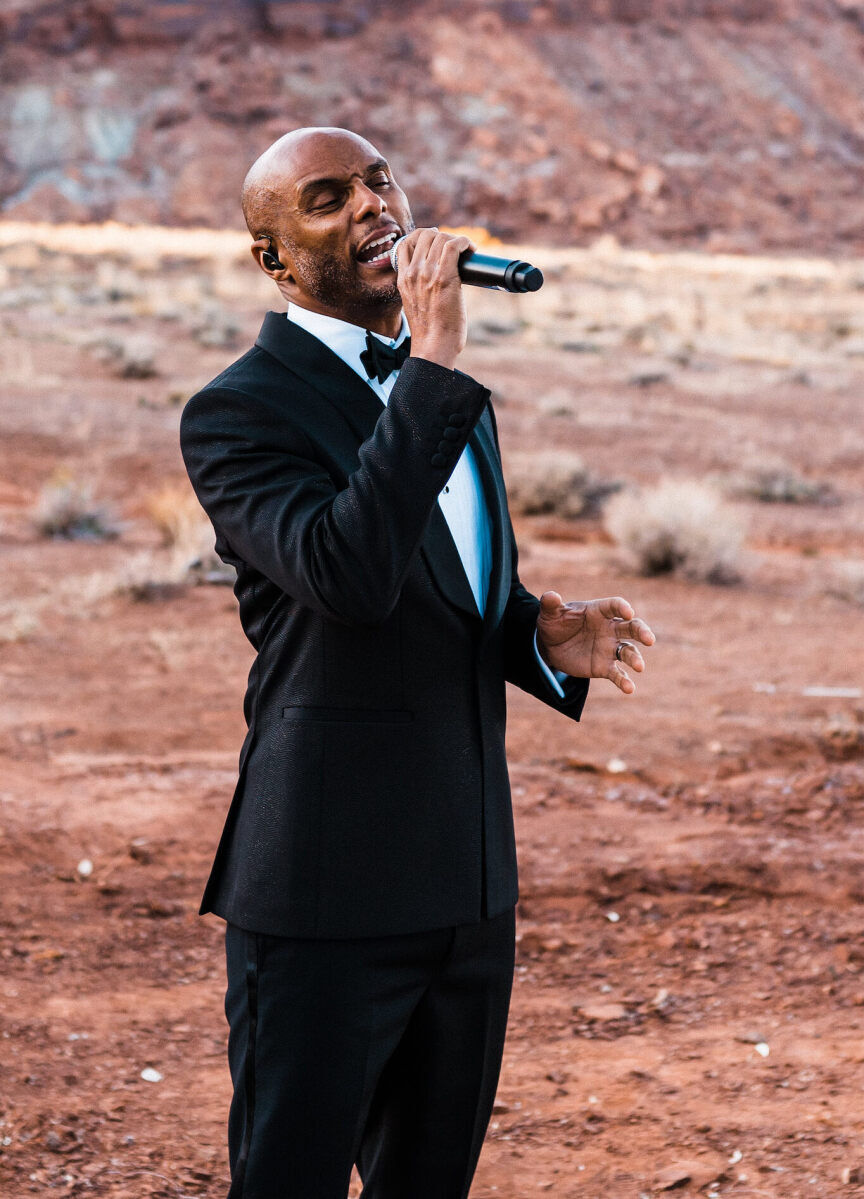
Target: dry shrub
x=65 y=508
x=677 y=528
x=127 y=358
x=771 y=481
x=847 y=582
x=187 y=533
x=18 y=622
x=555 y=482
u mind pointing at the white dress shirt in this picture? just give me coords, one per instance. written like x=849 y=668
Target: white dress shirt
x=461 y=500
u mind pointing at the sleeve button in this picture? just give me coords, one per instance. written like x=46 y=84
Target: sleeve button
x=457 y=420
x=438 y=460
x=451 y=434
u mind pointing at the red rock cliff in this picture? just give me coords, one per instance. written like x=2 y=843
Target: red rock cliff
x=735 y=124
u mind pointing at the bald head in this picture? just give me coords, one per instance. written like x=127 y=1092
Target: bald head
x=271 y=179
x=319 y=203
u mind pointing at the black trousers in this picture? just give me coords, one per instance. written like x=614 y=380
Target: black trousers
x=383 y=1051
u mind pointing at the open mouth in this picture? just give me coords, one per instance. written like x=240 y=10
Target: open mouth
x=377 y=252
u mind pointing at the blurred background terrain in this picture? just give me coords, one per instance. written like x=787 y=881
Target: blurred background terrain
x=680 y=417
x=720 y=124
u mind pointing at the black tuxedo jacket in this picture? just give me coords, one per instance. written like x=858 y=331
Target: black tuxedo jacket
x=373 y=795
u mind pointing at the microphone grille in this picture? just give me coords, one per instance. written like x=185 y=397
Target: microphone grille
x=394 y=253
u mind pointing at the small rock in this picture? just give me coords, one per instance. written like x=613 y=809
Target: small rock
x=151 y=1075
x=697 y=1173
x=602 y=1011
x=140 y=851
x=671 y=1177
x=85 y=868
x=616 y=766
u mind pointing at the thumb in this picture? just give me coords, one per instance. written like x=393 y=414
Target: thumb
x=551 y=604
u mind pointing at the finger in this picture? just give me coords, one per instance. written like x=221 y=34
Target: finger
x=635 y=630
x=615 y=608
x=415 y=245
x=452 y=249
x=630 y=654
x=621 y=679
x=444 y=250
x=551 y=604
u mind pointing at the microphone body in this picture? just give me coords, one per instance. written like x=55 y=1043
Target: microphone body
x=484 y=270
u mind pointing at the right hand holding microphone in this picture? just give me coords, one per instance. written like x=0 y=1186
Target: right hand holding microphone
x=432 y=296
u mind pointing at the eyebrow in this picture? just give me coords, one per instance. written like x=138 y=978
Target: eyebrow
x=308 y=190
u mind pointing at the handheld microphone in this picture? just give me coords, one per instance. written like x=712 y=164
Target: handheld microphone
x=483 y=270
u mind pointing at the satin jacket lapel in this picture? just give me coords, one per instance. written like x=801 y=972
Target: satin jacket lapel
x=440 y=551
x=492 y=478
x=445 y=565
x=317 y=365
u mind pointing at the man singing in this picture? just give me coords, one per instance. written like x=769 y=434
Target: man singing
x=367 y=869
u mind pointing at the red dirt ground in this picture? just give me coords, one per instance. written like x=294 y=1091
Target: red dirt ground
x=699 y=899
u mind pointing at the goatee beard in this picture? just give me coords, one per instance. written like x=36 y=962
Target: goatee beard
x=332 y=282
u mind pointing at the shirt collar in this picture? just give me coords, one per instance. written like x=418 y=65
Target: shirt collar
x=344 y=339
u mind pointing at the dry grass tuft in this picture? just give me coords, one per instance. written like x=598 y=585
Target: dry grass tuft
x=681 y=528
x=555 y=482
x=127 y=358
x=65 y=508
x=18 y=622
x=771 y=481
x=847 y=582
x=187 y=533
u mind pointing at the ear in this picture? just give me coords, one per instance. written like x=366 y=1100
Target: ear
x=267 y=256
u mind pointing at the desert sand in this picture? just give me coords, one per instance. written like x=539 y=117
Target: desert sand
x=688 y=1011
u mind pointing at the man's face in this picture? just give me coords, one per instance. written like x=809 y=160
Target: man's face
x=343 y=211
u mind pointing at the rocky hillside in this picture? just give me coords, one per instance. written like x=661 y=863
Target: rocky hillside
x=721 y=124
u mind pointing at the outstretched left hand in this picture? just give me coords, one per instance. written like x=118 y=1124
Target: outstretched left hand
x=582 y=638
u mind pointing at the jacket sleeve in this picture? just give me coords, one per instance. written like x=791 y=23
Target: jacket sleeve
x=520 y=661
x=342 y=551
x=521 y=666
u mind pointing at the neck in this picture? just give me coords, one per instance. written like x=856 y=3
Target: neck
x=385 y=319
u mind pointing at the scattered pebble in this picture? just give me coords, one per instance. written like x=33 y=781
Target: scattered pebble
x=601 y=1011
x=85 y=868
x=735 y=1158
x=616 y=766
x=762 y=1049
x=613 y=917
x=151 y=1075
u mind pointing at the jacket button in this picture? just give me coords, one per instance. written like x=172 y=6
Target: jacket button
x=438 y=460
x=457 y=420
x=451 y=434
x=444 y=447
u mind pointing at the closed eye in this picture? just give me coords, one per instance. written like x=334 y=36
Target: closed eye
x=328 y=201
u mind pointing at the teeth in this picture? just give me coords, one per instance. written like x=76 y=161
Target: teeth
x=380 y=241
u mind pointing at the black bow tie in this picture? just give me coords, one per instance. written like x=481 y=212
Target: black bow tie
x=380 y=360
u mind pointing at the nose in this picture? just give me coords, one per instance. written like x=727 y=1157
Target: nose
x=367 y=202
